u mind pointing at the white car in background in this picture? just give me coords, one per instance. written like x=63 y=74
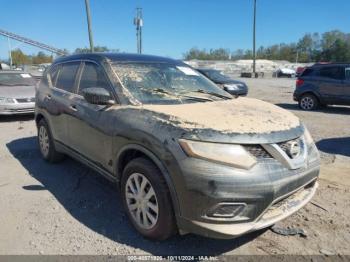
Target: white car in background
x=17 y=92
x=285 y=72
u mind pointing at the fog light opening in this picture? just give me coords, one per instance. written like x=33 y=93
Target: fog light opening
x=226 y=210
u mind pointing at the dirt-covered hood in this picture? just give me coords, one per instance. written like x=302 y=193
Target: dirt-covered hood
x=241 y=115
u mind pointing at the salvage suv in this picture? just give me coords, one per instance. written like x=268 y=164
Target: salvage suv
x=187 y=156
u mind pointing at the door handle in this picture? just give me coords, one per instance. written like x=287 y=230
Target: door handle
x=73 y=107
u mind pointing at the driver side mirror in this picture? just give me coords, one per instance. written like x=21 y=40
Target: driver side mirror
x=98 y=96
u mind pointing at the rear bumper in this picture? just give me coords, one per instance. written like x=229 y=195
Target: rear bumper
x=296 y=96
x=278 y=210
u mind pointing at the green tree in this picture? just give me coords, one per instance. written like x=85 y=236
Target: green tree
x=312 y=47
x=19 y=58
x=41 y=58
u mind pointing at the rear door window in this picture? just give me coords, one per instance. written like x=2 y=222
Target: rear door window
x=66 y=76
x=92 y=76
x=332 y=72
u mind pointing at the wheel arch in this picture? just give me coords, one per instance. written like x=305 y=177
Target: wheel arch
x=38 y=118
x=132 y=151
x=315 y=94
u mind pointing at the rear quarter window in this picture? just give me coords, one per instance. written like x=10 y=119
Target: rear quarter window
x=52 y=74
x=308 y=72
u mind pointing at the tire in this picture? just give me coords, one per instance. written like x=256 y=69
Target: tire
x=46 y=144
x=308 y=102
x=158 y=222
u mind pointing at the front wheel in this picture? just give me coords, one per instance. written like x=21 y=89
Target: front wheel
x=308 y=102
x=147 y=200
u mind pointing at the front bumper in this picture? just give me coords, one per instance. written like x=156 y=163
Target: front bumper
x=17 y=108
x=257 y=191
x=277 y=211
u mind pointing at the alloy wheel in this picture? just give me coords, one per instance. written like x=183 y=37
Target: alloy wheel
x=44 y=141
x=307 y=103
x=141 y=201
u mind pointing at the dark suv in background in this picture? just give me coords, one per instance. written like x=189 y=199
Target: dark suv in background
x=323 y=84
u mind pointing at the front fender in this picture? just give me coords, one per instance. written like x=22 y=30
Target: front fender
x=159 y=164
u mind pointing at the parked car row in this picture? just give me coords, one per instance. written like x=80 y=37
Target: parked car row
x=17 y=89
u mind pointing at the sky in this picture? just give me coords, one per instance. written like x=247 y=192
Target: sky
x=171 y=27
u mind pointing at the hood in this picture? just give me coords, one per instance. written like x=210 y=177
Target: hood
x=239 y=116
x=17 y=91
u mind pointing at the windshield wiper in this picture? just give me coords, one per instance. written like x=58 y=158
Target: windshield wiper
x=178 y=95
x=210 y=93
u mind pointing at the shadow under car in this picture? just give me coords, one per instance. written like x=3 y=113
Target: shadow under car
x=95 y=202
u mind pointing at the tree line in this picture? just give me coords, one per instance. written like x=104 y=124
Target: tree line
x=20 y=58
x=332 y=46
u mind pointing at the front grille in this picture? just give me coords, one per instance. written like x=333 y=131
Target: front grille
x=25 y=100
x=257 y=151
x=20 y=110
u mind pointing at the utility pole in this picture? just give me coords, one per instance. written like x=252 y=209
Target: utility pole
x=87 y=5
x=138 y=22
x=297 y=58
x=254 y=54
x=10 y=51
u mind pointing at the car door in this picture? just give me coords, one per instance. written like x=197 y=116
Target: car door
x=331 y=83
x=87 y=129
x=346 y=86
x=62 y=80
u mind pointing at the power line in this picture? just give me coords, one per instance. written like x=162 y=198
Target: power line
x=32 y=42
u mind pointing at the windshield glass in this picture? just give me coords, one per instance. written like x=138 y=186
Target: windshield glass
x=16 y=79
x=216 y=75
x=163 y=83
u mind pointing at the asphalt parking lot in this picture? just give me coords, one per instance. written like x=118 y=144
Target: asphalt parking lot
x=68 y=209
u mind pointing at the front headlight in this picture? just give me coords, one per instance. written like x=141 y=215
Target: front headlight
x=314 y=155
x=232 y=155
x=5 y=100
x=231 y=87
x=308 y=137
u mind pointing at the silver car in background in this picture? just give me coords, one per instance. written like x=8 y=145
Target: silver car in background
x=17 y=93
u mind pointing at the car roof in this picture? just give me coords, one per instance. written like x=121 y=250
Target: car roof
x=118 y=57
x=328 y=64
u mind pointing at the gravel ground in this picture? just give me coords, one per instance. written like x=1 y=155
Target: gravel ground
x=68 y=209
